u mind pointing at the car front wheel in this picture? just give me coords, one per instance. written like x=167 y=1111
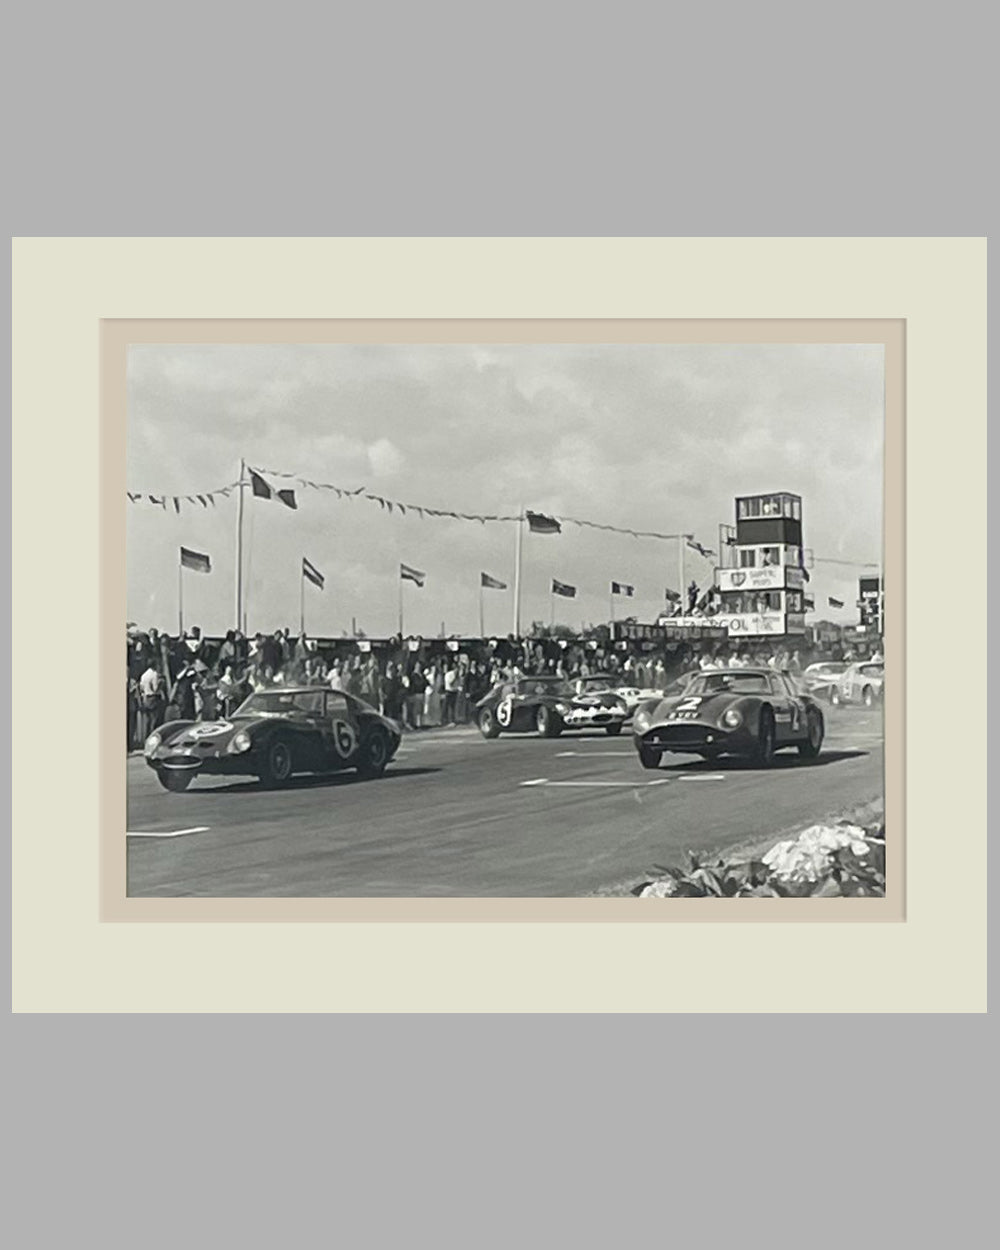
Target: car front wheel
x=277 y=766
x=548 y=723
x=814 y=740
x=374 y=755
x=764 y=754
x=488 y=726
x=175 y=780
x=649 y=758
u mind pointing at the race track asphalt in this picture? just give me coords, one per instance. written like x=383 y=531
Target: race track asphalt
x=456 y=815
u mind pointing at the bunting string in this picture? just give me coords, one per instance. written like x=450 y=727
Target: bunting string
x=208 y=499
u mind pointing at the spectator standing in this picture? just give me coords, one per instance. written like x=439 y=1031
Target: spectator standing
x=451 y=680
x=151 y=700
x=392 y=692
x=415 y=698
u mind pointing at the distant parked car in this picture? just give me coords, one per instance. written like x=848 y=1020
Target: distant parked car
x=860 y=683
x=820 y=679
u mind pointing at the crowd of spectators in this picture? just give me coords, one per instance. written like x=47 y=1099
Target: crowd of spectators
x=418 y=682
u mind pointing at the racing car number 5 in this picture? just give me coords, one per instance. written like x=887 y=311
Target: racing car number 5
x=504 y=711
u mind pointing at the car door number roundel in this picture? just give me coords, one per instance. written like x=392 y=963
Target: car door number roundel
x=344 y=738
x=504 y=711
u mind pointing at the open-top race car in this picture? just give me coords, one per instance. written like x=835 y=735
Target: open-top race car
x=598 y=683
x=739 y=711
x=547 y=705
x=274 y=734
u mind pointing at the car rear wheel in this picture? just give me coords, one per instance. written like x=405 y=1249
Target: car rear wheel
x=277 y=767
x=548 y=723
x=175 y=780
x=868 y=696
x=374 y=755
x=814 y=741
x=835 y=696
x=488 y=726
x=764 y=754
x=613 y=730
x=649 y=758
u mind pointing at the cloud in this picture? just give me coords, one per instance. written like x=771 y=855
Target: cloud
x=385 y=458
x=648 y=437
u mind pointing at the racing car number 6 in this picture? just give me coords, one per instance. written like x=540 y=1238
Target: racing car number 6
x=344 y=739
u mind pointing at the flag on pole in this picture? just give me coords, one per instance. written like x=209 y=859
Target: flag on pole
x=835 y=603
x=411 y=575
x=263 y=490
x=620 y=588
x=311 y=573
x=702 y=551
x=491 y=583
x=195 y=560
x=671 y=596
x=538 y=523
x=560 y=588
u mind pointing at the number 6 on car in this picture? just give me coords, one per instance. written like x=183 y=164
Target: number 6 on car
x=344 y=738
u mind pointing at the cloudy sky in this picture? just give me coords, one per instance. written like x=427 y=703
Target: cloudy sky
x=649 y=437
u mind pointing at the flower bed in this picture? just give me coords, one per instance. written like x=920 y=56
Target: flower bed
x=839 y=860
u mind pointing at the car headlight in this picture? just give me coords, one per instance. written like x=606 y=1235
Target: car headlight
x=641 y=722
x=241 y=742
x=562 y=708
x=152 y=742
x=732 y=717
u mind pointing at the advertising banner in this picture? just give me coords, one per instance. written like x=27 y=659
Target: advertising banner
x=738 y=624
x=772 y=577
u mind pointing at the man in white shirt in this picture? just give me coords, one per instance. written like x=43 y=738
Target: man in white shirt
x=151 y=700
x=450 y=695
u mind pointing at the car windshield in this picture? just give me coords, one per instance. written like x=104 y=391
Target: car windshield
x=824 y=670
x=735 y=683
x=544 y=685
x=590 y=684
x=282 y=703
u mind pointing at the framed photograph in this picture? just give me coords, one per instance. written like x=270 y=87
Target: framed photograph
x=502 y=624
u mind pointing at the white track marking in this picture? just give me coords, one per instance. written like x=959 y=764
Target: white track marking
x=169 y=833
x=620 y=785
x=702 y=777
x=562 y=755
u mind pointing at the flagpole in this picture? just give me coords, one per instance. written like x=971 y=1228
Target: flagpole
x=681 y=539
x=552 y=610
x=517 y=573
x=400 y=606
x=302 y=601
x=611 y=604
x=240 y=622
x=180 y=595
x=482 y=627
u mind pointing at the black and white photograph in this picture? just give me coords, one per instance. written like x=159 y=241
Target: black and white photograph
x=505 y=619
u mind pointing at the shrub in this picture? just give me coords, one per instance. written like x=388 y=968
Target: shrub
x=841 y=860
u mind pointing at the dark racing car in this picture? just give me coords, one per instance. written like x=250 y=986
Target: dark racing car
x=273 y=735
x=547 y=705
x=739 y=711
